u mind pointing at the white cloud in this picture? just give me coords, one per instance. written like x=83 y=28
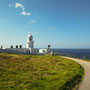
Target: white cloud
x=36 y=33
x=10 y=5
x=32 y=21
x=51 y=28
x=22 y=7
x=25 y=13
x=19 y=5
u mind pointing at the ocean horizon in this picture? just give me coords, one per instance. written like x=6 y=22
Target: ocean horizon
x=76 y=53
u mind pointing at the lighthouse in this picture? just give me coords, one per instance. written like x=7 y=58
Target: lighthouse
x=28 y=50
x=30 y=42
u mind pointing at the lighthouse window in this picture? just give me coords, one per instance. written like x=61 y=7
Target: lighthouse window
x=30 y=38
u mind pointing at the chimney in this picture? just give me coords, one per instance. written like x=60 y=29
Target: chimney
x=20 y=46
x=11 y=46
x=16 y=46
x=49 y=46
x=1 y=47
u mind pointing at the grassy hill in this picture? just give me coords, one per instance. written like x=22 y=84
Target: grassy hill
x=24 y=72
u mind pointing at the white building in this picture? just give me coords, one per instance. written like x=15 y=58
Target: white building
x=29 y=46
x=44 y=51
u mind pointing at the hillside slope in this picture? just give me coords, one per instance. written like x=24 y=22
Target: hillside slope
x=25 y=72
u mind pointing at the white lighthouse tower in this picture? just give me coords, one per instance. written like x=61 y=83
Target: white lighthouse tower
x=30 y=42
x=29 y=47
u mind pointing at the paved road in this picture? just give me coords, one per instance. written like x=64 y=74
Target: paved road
x=85 y=85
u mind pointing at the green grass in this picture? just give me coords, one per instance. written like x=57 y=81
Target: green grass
x=24 y=72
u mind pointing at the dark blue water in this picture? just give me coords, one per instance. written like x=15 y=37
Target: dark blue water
x=76 y=53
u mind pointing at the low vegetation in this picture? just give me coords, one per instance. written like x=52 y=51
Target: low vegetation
x=25 y=72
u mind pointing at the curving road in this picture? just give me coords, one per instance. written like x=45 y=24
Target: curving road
x=85 y=85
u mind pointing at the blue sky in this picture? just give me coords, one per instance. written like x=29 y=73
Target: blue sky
x=61 y=23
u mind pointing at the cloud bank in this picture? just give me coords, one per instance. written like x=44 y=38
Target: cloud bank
x=32 y=21
x=18 y=5
x=51 y=28
x=25 y=13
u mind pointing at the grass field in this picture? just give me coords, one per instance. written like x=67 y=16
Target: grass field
x=24 y=72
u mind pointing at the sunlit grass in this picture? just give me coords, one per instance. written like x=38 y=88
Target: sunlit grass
x=24 y=72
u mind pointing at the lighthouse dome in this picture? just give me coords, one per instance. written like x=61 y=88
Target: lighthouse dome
x=30 y=37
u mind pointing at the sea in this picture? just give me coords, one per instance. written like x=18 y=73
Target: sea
x=76 y=53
